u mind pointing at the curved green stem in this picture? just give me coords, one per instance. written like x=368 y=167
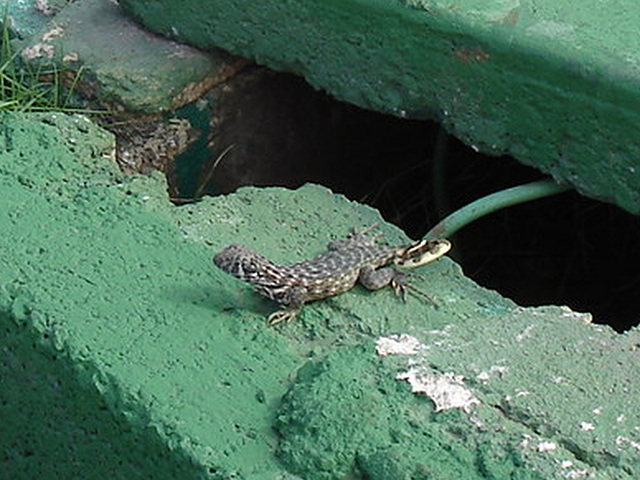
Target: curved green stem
x=491 y=203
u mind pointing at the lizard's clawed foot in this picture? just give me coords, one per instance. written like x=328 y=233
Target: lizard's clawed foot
x=286 y=316
x=401 y=285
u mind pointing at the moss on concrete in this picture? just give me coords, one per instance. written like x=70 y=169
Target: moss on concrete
x=552 y=83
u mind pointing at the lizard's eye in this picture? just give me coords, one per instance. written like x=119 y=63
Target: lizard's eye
x=250 y=269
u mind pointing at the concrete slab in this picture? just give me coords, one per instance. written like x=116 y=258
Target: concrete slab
x=124 y=66
x=553 y=83
x=24 y=18
x=125 y=354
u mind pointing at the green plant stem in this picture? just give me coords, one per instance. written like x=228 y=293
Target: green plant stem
x=491 y=203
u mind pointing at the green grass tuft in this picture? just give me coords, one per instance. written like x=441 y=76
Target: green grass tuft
x=26 y=88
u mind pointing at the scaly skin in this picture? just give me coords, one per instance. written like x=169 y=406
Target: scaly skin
x=346 y=262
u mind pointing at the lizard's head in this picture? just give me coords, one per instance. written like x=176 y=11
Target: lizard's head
x=241 y=262
x=422 y=252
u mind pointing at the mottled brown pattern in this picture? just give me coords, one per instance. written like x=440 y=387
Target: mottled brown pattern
x=358 y=258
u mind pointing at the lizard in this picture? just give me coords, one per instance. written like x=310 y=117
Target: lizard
x=358 y=258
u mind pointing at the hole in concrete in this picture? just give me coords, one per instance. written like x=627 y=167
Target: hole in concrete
x=566 y=250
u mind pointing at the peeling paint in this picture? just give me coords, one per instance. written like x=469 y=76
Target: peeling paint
x=398 y=345
x=446 y=390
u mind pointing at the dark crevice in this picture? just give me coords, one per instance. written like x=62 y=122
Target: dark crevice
x=566 y=249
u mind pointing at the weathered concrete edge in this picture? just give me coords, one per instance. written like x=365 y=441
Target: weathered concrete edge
x=64 y=415
x=135 y=70
x=142 y=345
x=568 y=114
x=502 y=352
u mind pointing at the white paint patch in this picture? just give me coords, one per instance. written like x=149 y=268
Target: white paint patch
x=620 y=440
x=445 y=390
x=398 y=345
x=38 y=50
x=587 y=426
x=43 y=7
x=53 y=33
x=547 y=446
x=70 y=57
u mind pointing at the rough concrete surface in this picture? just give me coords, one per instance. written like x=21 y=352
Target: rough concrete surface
x=125 y=354
x=81 y=240
x=25 y=19
x=552 y=83
x=121 y=64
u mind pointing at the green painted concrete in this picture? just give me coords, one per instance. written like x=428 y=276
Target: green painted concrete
x=134 y=373
x=551 y=82
x=125 y=354
x=25 y=20
x=122 y=65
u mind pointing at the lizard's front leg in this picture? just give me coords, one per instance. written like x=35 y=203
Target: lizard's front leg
x=293 y=301
x=376 y=279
